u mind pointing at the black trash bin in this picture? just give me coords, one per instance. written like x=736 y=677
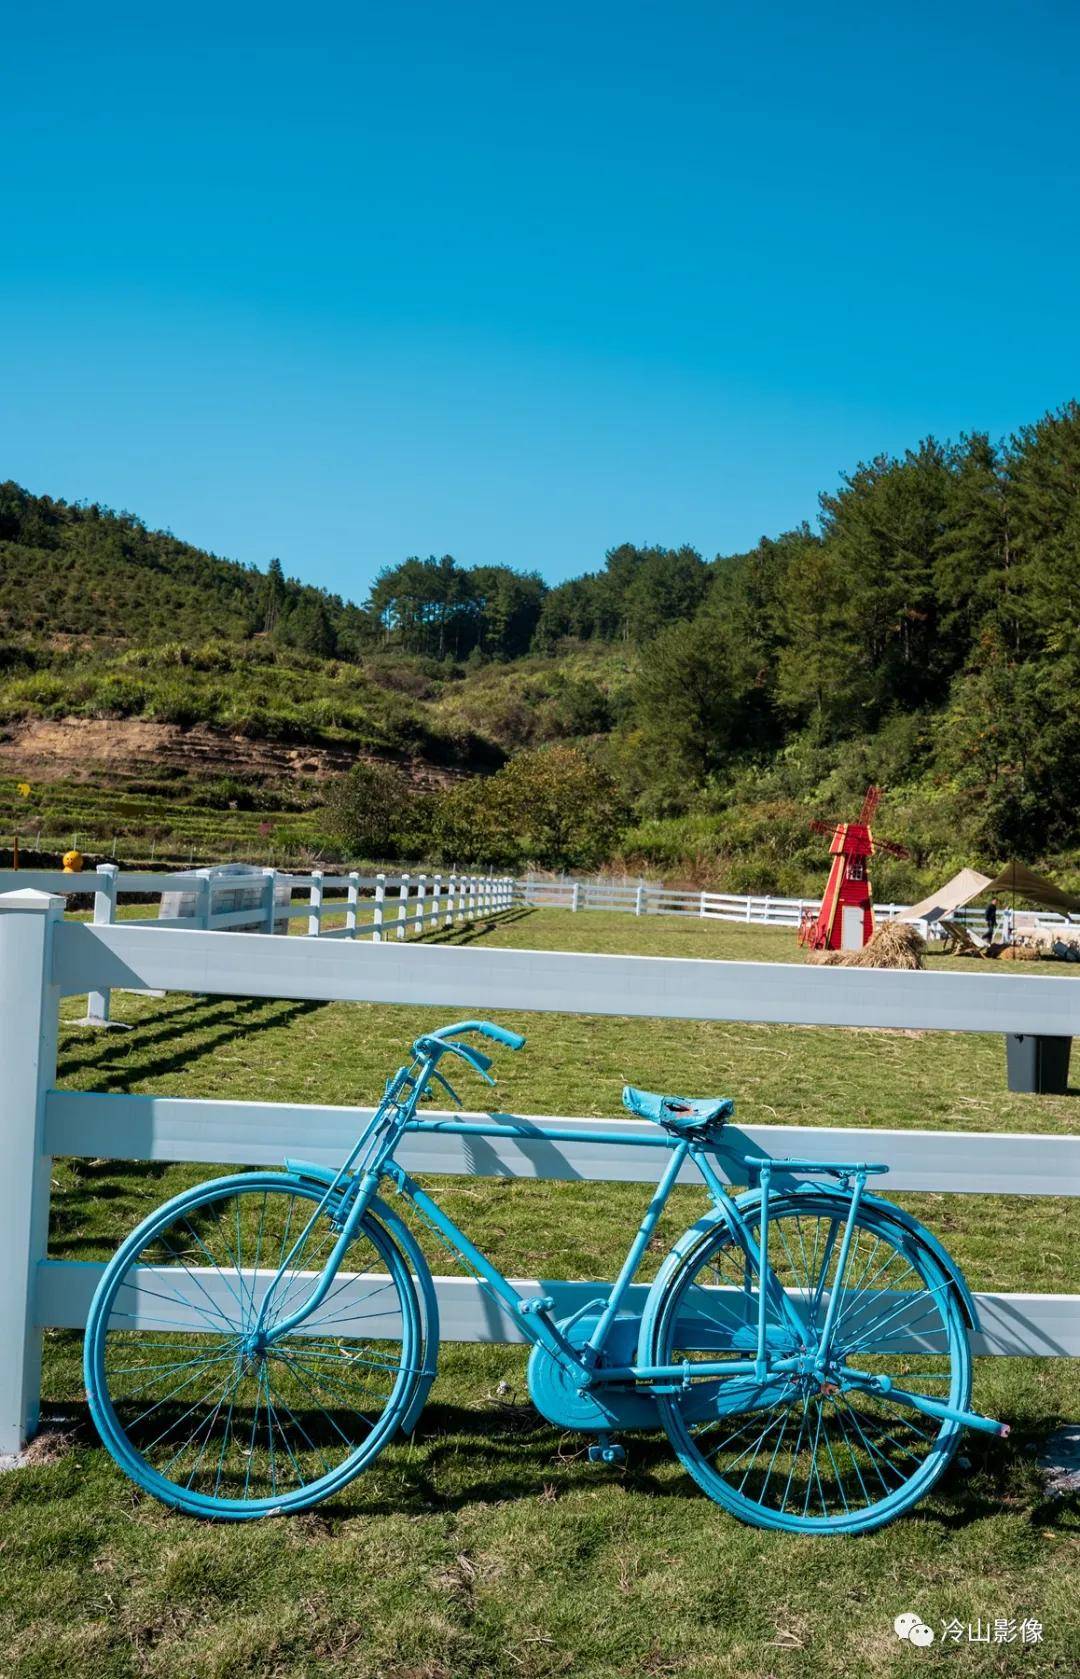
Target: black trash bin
x=1037 y=1066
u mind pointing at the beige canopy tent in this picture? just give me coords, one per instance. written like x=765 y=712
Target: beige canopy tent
x=1015 y=879
x=948 y=898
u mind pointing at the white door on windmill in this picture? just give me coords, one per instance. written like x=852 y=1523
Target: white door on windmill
x=851 y=927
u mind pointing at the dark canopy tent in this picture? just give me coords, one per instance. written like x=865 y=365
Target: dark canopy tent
x=1022 y=882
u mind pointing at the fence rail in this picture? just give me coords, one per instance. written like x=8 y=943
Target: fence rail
x=43 y=958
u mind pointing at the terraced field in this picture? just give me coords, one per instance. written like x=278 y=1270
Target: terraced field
x=167 y=822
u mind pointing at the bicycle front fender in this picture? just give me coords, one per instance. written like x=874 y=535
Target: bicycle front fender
x=421 y=1272
x=897 y=1215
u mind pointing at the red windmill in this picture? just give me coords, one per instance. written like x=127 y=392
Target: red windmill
x=846 y=918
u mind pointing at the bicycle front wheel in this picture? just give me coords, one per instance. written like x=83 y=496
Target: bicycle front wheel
x=197 y=1415
x=796 y=1451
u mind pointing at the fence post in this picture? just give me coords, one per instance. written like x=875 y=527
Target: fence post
x=270 y=895
x=436 y=890
x=421 y=893
x=639 y=901
x=448 y=918
x=575 y=895
x=462 y=896
x=353 y=900
x=403 y=906
x=765 y=916
x=377 y=913
x=98 y=1003
x=748 y=909
x=29 y=1014
x=314 y=922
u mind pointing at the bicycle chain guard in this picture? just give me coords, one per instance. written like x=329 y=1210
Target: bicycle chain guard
x=553 y=1387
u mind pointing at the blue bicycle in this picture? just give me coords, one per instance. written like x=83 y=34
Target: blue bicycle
x=259 y=1339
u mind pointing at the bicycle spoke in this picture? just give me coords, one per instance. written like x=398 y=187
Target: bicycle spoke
x=319 y=1406
x=836 y=1472
x=776 y=1451
x=795 y=1455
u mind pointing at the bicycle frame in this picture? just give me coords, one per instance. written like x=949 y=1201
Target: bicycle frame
x=371 y=1160
x=533 y=1313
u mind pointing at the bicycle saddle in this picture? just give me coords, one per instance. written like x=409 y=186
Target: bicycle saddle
x=685 y=1116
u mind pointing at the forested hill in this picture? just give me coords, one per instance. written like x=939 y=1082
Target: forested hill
x=86 y=571
x=925 y=632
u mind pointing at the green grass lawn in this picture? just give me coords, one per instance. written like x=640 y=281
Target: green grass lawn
x=488 y=1546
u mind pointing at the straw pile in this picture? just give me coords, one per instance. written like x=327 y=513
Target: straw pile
x=896 y=944
x=1020 y=953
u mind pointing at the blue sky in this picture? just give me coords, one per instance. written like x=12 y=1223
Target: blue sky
x=520 y=283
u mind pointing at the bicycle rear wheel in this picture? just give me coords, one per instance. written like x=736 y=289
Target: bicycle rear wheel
x=197 y=1416
x=797 y=1452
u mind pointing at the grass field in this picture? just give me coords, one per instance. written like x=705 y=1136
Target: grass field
x=488 y=1546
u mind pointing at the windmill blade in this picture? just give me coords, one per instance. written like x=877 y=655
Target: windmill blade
x=870 y=804
x=891 y=847
x=819 y=826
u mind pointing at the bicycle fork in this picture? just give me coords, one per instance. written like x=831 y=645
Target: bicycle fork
x=362 y=1199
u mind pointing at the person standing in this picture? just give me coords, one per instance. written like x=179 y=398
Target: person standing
x=1007 y=925
x=991 y=920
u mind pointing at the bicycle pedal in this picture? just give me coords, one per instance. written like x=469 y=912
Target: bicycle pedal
x=612 y=1452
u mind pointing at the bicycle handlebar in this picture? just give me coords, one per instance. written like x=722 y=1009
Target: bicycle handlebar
x=486 y=1029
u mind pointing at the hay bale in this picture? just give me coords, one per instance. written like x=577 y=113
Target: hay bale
x=1019 y=953
x=896 y=944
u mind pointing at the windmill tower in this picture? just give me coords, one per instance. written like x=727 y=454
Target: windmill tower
x=846 y=918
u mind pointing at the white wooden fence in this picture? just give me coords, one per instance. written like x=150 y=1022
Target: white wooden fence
x=423 y=895
x=764 y=909
x=44 y=958
x=398 y=905
x=651 y=898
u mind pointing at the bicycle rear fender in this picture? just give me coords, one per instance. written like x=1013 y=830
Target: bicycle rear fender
x=944 y=1258
x=897 y=1215
x=421 y=1271
x=748 y=1203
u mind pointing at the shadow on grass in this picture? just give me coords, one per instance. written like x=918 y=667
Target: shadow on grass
x=120 y=1062
x=479 y=929
x=463 y=1456
x=511 y=1452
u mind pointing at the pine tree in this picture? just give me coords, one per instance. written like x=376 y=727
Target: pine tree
x=273 y=595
